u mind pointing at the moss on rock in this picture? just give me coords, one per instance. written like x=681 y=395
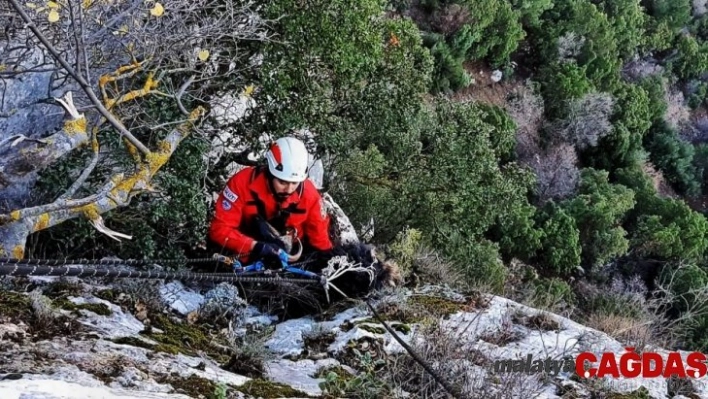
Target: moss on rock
x=107 y=294
x=365 y=324
x=641 y=393
x=437 y=306
x=194 y=386
x=63 y=288
x=133 y=341
x=98 y=308
x=372 y=329
x=269 y=389
x=15 y=306
x=176 y=337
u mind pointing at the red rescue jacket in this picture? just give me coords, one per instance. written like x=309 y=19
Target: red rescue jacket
x=247 y=193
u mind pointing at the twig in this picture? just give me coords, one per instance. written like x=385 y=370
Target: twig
x=168 y=124
x=85 y=174
x=179 y=94
x=82 y=82
x=77 y=56
x=117 y=19
x=87 y=64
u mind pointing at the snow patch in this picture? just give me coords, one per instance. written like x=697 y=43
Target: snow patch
x=180 y=298
x=299 y=375
x=44 y=388
x=117 y=324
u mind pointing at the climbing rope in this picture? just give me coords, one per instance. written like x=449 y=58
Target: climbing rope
x=129 y=262
x=436 y=377
x=61 y=267
x=67 y=271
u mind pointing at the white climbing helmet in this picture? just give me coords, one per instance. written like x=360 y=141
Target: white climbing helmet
x=288 y=159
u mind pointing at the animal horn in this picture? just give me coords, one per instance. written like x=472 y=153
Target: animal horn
x=294 y=258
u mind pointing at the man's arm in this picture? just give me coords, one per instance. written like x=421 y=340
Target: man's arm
x=227 y=218
x=317 y=224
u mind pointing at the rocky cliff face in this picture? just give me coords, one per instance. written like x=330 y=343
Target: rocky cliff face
x=24 y=110
x=146 y=339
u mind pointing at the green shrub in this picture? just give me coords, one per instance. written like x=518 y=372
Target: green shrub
x=669 y=229
x=551 y=292
x=674 y=157
x=599 y=210
x=405 y=248
x=560 y=83
x=560 y=252
x=578 y=31
x=628 y=21
x=675 y=13
x=692 y=59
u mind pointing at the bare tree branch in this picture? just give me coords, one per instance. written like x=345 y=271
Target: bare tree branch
x=180 y=93
x=186 y=54
x=25 y=156
x=118 y=192
x=82 y=82
x=85 y=174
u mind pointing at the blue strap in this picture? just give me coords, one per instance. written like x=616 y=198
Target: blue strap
x=259 y=266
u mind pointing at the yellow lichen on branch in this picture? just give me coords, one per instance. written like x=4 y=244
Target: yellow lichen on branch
x=166 y=147
x=18 y=252
x=132 y=150
x=75 y=126
x=42 y=222
x=148 y=87
x=157 y=159
x=118 y=73
x=127 y=184
x=15 y=215
x=186 y=127
x=90 y=211
x=94 y=140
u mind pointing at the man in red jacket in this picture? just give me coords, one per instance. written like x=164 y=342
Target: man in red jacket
x=281 y=195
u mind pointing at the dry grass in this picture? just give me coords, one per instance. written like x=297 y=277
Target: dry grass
x=621 y=328
x=625 y=311
x=678 y=113
x=466 y=369
x=662 y=187
x=541 y=321
x=484 y=89
x=428 y=266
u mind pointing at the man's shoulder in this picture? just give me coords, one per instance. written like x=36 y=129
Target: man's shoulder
x=310 y=191
x=243 y=176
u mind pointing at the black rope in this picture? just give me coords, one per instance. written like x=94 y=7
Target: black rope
x=17 y=269
x=129 y=262
x=446 y=385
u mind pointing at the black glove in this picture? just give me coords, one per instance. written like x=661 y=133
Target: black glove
x=266 y=251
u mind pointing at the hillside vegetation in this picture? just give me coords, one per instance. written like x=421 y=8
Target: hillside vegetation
x=575 y=183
